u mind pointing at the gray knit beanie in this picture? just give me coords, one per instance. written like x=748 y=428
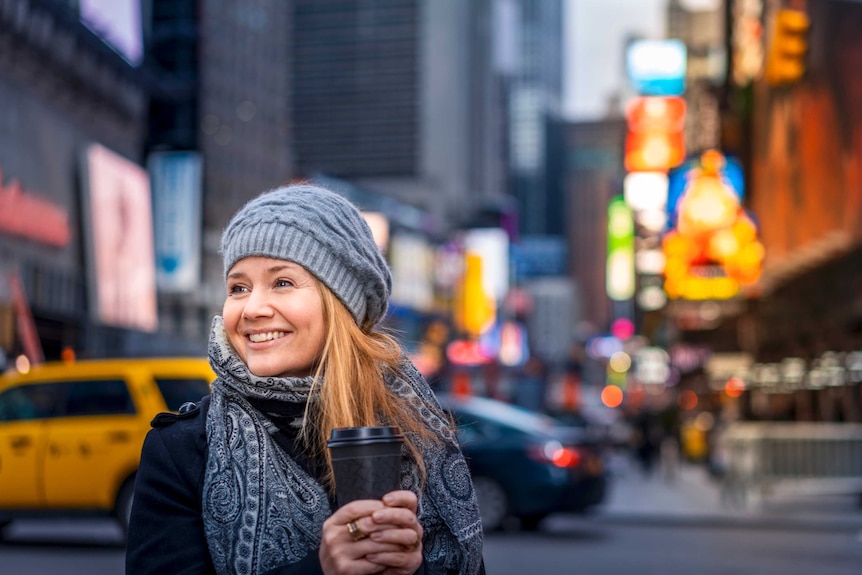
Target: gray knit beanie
x=324 y=233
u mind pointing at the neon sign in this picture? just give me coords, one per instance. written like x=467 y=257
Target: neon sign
x=31 y=217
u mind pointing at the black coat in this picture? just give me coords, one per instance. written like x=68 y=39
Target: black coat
x=166 y=533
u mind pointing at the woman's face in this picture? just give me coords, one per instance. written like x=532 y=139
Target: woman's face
x=273 y=315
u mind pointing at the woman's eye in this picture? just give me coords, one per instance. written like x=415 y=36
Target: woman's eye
x=236 y=289
x=283 y=283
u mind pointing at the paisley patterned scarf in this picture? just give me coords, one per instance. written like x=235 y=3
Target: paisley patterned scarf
x=261 y=510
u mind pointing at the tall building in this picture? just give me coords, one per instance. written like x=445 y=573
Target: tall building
x=594 y=174
x=418 y=104
x=702 y=29
x=400 y=98
x=224 y=76
x=535 y=92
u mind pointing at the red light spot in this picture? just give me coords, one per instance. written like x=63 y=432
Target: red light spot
x=687 y=400
x=566 y=458
x=734 y=387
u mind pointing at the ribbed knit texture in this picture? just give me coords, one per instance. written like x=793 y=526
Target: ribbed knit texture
x=324 y=233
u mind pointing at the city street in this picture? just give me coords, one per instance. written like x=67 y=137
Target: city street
x=619 y=240
x=649 y=525
x=566 y=545
x=578 y=546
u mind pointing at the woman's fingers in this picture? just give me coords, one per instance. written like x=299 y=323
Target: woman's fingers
x=405 y=559
x=371 y=536
x=354 y=509
x=401 y=498
x=405 y=539
x=345 y=541
x=397 y=517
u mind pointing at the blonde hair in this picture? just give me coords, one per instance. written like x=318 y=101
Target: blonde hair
x=352 y=365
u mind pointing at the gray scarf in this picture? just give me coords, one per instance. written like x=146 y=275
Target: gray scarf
x=261 y=510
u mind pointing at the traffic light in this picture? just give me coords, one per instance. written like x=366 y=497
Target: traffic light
x=785 y=63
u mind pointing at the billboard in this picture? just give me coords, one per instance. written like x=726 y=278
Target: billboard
x=117 y=23
x=492 y=246
x=679 y=178
x=411 y=258
x=656 y=138
x=620 y=270
x=657 y=67
x=176 y=183
x=118 y=231
x=540 y=256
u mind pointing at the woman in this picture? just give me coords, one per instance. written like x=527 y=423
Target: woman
x=241 y=483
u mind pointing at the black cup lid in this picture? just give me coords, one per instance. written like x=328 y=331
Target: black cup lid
x=366 y=434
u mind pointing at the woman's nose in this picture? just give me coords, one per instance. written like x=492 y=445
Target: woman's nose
x=258 y=305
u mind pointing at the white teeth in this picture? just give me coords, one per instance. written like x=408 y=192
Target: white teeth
x=261 y=337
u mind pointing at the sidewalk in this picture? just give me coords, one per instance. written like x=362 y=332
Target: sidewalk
x=693 y=496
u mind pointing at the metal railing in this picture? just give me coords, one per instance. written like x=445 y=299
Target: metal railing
x=808 y=458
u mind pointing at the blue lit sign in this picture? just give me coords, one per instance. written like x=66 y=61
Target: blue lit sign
x=657 y=67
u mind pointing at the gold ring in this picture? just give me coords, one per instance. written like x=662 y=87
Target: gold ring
x=356 y=534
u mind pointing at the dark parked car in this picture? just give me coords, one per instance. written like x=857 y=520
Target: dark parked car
x=525 y=464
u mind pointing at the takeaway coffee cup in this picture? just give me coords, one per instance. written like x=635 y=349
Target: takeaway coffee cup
x=366 y=461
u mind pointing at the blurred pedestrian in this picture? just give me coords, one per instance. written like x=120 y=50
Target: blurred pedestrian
x=647 y=440
x=531 y=386
x=242 y=481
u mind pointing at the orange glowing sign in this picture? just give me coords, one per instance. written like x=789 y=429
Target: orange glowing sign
x=714 y=249
x=654 y=150
x=655 y=140
x=656 y=113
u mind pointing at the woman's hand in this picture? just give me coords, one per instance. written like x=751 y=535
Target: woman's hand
x=402 y=528
x=371 y=536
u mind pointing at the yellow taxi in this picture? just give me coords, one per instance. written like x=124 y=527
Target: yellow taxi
x=71 y=433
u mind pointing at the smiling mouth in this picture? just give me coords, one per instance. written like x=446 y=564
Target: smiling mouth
x=268 y=336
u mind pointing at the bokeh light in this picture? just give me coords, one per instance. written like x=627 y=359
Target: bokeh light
x=687 y=400
x=22 y=364
x=612 y=396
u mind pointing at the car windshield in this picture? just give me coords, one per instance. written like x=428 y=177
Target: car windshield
x=507 y=414
x=179 y=390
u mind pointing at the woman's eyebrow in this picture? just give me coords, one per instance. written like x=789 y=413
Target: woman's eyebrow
x=280 y=268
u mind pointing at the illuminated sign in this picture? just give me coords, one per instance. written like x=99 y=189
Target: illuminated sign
x=466 y=352
x=747 y=40
x=645 y=190
x=492 y=245
x=475 y=309
x=620 y=278
x=657 y=67
x=713 y=247
x=656 y=134
x=652 y=113
x=728 y=170
x=118 y=226
x=31 y=217
x=118 y=23
x=176 y=184
x=379 y=225
x=411 y=259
